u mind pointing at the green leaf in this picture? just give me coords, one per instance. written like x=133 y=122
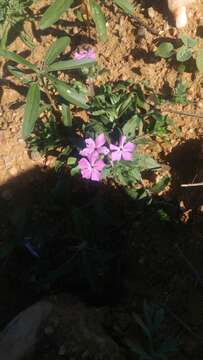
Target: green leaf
x=144 y=162
x=66 y=115
x=27 y=40
x=99 y=20
x=56 y=49
x=69 y=94
x=183 y=54
x=165 y=50
x=54 y=12
x=131 y=126
x=125 y=6
x=199 y=60
x=71 y=64
x=17 y=58
x=187 y=41
x=31 y=110
x=160 y=186
x=19 y=74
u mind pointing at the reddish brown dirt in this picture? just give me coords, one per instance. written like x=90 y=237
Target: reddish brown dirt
x=128 y=54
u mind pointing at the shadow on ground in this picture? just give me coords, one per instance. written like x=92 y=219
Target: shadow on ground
x=59 y=234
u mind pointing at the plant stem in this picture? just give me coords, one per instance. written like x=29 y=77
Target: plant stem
x=48 y=94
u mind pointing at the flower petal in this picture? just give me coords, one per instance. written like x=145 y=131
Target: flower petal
x=114 y=147
x=127 y=155
x=103 y=150
x=89 y=149
x=122 y=141
x=85 y=168
x=100 y=140
x=90 y=143
x=96 y=175
x=85 y=152
x=99 y=165
x=93 y=157
x=129 y=147
x=116 y=155
x=91 y=54
x=80 y=55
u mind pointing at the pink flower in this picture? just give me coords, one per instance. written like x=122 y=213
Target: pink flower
x=85 y=55
x=122 y=151
x=96 y=146
x=92 y=167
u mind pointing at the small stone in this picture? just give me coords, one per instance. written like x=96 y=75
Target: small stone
x=141 y=32
x=20 y=336
x=62 y=350
x=151 y=12
x=13 y=171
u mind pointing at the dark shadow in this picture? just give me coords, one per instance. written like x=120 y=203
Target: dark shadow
x=161 y=7
x=76 y=39
x=200 y=31
x=147 y=57
x=62 y=234
x=186 y=165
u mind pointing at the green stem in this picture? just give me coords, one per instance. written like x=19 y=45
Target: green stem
x=4 y=38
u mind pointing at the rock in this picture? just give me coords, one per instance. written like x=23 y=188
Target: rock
x=21 y=334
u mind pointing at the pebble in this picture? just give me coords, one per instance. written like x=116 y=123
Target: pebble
x=13 y=171
x=151 y=12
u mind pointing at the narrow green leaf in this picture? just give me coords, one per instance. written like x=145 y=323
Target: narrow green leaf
x=31 y=110
x=17 y=58
x=199 y=60
x=56 y=49
x=69 y=94
x=125 y=6
x=99 y=20
x=66 y=115
x=71 y=64
x=53 y=13
x=19 y=74
x=27 y=40
x=160 y=186
x=165 y=50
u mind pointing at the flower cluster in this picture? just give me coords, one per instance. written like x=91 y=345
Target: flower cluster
x=92 y=162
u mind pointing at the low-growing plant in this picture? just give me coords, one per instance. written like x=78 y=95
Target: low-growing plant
x=12 y=12
x=120 y=120
x=188 y=49
x=89 y=8
x=43 y=84
x=157 y=347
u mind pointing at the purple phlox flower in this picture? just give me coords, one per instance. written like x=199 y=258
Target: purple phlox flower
x=96 y=146
x=85 y=55
x=92 y=167
x=30 y=248
x=122 y=151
